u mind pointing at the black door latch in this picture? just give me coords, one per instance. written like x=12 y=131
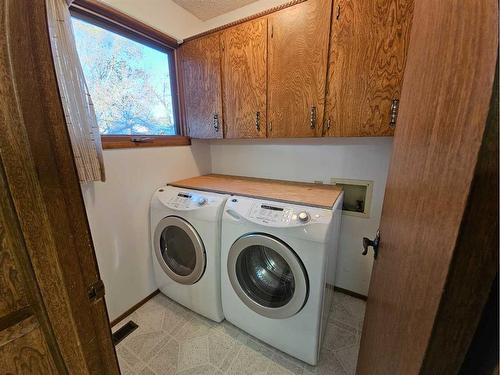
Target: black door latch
x=373 y=243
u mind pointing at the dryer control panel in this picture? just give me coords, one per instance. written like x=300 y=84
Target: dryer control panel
x=185 y=200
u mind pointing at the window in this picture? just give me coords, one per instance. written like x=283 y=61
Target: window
x=129 y=82
x=130 y=72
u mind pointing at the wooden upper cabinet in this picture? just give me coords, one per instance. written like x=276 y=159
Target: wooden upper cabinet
x=199 y=65
x=298 y=56
x=368 y=48
x=244 y=72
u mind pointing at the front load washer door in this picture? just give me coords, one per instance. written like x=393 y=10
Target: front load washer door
x=268 y=276
x=179 y=250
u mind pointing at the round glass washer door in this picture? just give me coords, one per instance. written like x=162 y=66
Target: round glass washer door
x=267 y=276
x=179 y=250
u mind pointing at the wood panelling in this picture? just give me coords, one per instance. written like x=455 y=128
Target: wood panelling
x=12 y=293
x=368 y=48
x=23 y=350
x=200 y=70
x=43 y=186
x=22 y=327
x=444 y=106
x=297 y=65
x=332 y=70
x=125 y=141
x=317 y=195
x=20 y=296
x=244 y=67
x=475 y=262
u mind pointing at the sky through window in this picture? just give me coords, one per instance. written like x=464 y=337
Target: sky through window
x=129 y=82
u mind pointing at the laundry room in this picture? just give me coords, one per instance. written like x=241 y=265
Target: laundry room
x=127 y=258
x=251 y=186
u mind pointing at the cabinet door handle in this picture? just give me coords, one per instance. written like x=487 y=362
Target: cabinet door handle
x=394 y=113
x=313 y=117
x=327 y=126
x=257 y=121
x=216 y=122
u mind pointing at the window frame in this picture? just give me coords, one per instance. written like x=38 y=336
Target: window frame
x=106 y=17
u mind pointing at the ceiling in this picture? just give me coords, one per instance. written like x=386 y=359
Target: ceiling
x=206 y=9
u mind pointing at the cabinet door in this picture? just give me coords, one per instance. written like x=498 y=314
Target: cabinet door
x=368 y=48
x=201 y=85
x=244 y=71
x=298 y=54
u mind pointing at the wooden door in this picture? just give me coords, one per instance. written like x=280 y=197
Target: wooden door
x=201 y=84
x=298 y=53
x=51 y=321
x=24 y=331
x=244 y=72
x=439 y=229
x=368 y=49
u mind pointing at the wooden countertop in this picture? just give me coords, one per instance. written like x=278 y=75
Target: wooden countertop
x=316 y=195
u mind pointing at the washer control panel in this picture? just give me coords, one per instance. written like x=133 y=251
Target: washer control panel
x=280 y=215
x=271 y=214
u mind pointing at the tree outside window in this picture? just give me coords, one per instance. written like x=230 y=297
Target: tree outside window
x=129 y=82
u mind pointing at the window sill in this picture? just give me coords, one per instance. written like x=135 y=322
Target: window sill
x=125 y=141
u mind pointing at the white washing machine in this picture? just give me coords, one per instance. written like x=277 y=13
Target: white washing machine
x=185 y=236
x=278 y=270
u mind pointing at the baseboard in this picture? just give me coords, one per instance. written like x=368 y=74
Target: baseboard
x=143 y=301
x=133 y=308
x=350 y=293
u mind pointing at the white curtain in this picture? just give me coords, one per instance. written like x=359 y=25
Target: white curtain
x=78 y=108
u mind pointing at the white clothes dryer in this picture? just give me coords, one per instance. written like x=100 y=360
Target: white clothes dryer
x=185 y=236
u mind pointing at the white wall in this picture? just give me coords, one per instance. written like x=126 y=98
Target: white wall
x=118 y=212
x=319 y=160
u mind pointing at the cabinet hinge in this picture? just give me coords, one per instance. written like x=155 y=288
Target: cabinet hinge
x=96 y=291
x=313 y=116
x=394 y=113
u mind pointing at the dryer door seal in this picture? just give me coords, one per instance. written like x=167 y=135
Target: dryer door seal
x=179 y=250
x=268 y=276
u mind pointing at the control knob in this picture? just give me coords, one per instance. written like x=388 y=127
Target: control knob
x=303 y=216
x=201 y=201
